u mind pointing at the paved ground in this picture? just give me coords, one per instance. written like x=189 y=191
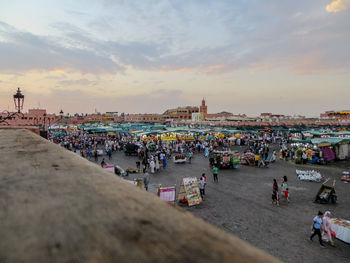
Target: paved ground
x=241 y=204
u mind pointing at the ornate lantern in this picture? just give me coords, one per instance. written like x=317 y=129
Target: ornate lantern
x=18 y=98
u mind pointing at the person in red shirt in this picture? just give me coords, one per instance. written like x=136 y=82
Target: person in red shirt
x=286 y=194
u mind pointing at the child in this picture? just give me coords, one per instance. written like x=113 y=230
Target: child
x=286 y=194
x=275 y=198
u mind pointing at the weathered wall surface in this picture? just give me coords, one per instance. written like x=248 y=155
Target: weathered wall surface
x=58 y=207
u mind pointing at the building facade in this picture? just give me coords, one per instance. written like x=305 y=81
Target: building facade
x=144 y=118
x=181 y=113
x=34 y=117
x=336 y=115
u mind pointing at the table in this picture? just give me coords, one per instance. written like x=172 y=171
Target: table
x=342 y=232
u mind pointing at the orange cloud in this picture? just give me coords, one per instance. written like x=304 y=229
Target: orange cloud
x=337 y=6
x=58 y=71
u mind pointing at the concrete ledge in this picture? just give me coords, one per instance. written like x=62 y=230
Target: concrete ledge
x=34 y=129
x=58 y=207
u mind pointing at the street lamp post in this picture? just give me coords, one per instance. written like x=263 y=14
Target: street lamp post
x=18 y=99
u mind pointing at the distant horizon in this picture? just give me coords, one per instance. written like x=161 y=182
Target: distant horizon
x=42 y=107
x=286 y=57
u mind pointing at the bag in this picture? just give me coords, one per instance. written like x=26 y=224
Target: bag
x=333 y=234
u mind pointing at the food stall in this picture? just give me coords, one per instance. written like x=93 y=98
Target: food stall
x=224 y=159
x=179 y=158
x=341 y=228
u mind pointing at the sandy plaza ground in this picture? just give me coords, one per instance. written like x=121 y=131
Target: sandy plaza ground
x=240 y=203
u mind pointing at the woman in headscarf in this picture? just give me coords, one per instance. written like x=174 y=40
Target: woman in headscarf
x=206 y=154
x=326 y=228
x=275 y=195
x=152 y=166
x=157 y=163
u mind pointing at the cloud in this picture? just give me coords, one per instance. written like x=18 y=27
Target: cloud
x=78 y=82
x=209 y=37
x=337 y=6
x=22 y=51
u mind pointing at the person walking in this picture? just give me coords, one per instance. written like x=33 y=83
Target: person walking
x=103 y=163
x=96 y=156
x=190 y=154
x=316 y=228
x=284 y=188
x=273 y=157
x=146 y=179
x=205 y=178
x=304 y=157
x=327 y=229
x=164 y=161
x=157 y=163
x=275 y=195
x=109 y=153
x=215 y=173
x=206 y=152
x=138 y=166
x=201 y=185
x=152 y=166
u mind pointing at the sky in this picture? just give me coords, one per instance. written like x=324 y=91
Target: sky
x=146 y=56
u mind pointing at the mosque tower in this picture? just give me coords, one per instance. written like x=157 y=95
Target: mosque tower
x=203 y=109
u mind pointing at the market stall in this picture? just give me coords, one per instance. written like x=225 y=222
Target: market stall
x=179 y=158
x=224 y=159
x=341 y=228
x=248 y=158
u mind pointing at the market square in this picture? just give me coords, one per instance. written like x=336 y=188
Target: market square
x=240 y=202
x=160 y=131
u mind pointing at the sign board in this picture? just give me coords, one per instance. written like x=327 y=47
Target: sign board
x=190 y=190
x=167 y=193
x=109 y=168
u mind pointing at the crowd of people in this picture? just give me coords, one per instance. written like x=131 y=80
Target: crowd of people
x=153 y=156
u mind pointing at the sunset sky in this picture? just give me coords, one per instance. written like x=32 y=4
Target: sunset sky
x=243 y=56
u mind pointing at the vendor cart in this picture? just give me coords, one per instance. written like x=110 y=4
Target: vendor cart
x=326 y=194
x=248 y=158
x=131 y=149
x=179 y=158
x=100 y=152
x=346 y=176
x=224 y=159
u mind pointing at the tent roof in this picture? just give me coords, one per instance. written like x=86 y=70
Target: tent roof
x=331 y=140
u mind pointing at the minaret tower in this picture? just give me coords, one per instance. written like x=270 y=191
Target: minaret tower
x=203 y=110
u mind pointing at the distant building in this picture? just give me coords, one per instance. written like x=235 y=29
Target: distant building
x=144 y=118
x=337 y=115
x=34 y=117
x=180 y=113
